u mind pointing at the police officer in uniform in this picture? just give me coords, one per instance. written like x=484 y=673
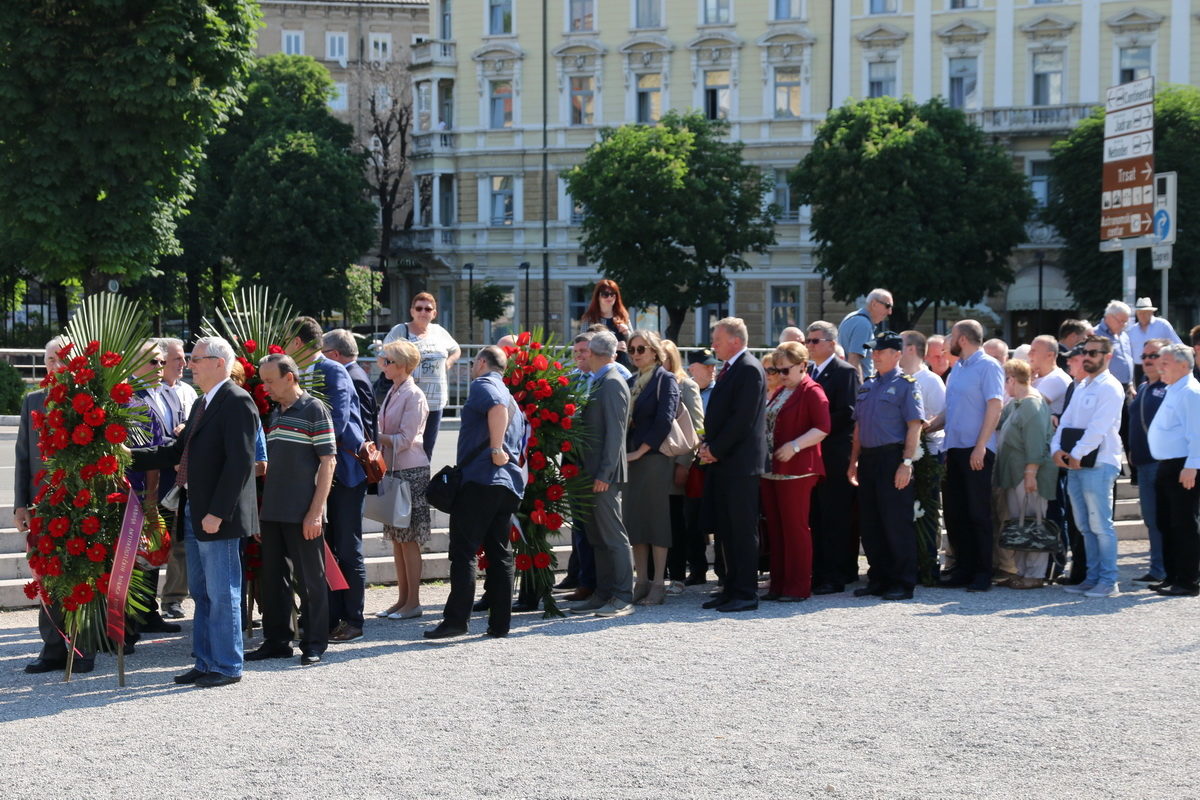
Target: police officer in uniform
x=888 y=416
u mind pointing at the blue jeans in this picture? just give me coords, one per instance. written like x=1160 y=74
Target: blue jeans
x=1148 y=497
x=215 y=581
x=1091 y=492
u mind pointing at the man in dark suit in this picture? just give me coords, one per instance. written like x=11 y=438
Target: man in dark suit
x=215 y=458
x=29 y=464
x=343 y=531
x=603 y=460
x=835 y=539
x=735 y=450
x=339 y=345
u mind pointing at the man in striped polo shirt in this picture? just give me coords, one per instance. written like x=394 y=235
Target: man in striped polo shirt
x=301 y=454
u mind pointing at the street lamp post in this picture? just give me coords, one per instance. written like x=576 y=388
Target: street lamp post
x=525 y=305
x=470 y=268
x=1041 y=257
x=545 y=177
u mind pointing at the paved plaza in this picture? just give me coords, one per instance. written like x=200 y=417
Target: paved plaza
x=1008 y=694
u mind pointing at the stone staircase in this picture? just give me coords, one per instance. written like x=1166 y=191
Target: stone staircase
x=14 y=569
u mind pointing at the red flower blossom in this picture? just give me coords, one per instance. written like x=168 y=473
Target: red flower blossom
x=537 y=460
x=566 y=423
x=58 y=393
x=83 y=402
x=64 y=350
x=90 y=525
x=76 y=545
x=110 y=359
x=121 y=393
x=59 y=526
x=115 y=433
x=563 y=380
x=45 y=545
x=274 y=349
x=76 y=363
x=558 y=365
x=59 y=495
x=525 y=338
x=102 y=582
x=116 y=497
x=532 y=477
x=524 y=562
x=522 y=356
x=60 y=439
x=570 y=471
x=35 y=525
x=87 y=472
x=536 y=346
x=95 y=417
x=249 y=345
x=529 y=387
x=32 y=589
x=69 y=604
x=514 y=534
x=108 y=465
x=539 y=505
x=554 y=521
x=83 y=594
x=533 y=441
x=545 y=413
x=52 y=567
x=92 y=348
x=566 y=447
x=483 y=562
x=83 y=376
x=537 y=517
x=97 y=552
x=540 y=362
x=543 y=384
x=82 y=435
x=541 y=560
x=554 y=492
x=56 y=418
x=41 y=493
x=535 y=423
x=38 y=419
x=82 y=498
x=260 y=391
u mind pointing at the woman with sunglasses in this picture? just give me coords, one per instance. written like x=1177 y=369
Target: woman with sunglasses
x=797 y=422
x=607 y=309
x=653 y=399
x=773 y=379
x=438 y=352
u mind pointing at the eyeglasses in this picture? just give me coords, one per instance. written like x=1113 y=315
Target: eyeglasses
x=641 y=348
x=156 y=362
x=422 y=308
x=607 y=293
x=780 y=370
x=888 y=306
x=1093 y=353
x=198 y=358
x=387 y=361
x=1150 y=356
x=816 y=341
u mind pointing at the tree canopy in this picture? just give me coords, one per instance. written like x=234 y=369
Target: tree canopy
x=669 y=209
x=1074 y=205
x=107 y=108
x=911 y=197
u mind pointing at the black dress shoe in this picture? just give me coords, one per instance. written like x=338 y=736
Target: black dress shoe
x=1154 y=587
x=190 y=677
x=791 y=598
x=83 y=665
x=1177 y=590
x=496 y=634
x=481 y=605
x=828 y=588
x=444 y=632
x=310 y=658
x=898 y=594
x=268 y=650
x=954 y=582
x=566 y=584
x=211 y=679
x=520 y=607
x=695 y=579
x=738 y=605
x=869 y=590
x=160 y=625
x=40 y=665
x=979 y=585
x=716 y=601
x=769 y=596
x=1148 y=578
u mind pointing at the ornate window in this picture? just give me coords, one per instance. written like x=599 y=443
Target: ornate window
x=497 y=64
x=786 y=56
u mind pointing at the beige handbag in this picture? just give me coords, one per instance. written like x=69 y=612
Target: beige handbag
x=682 y=437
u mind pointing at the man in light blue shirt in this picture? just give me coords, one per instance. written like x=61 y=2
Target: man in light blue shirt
x=856 y=334
x=1174 y=438
x=974 y=398
x=1147 y=327
x=1116 y=319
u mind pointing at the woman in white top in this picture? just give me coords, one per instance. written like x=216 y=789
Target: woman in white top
x=438 y=351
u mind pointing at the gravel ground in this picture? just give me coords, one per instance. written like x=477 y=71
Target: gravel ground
x=1009 y=694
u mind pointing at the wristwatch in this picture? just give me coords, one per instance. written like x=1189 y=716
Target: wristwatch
x=497 y=451
x=908 y=462
x=795 y=447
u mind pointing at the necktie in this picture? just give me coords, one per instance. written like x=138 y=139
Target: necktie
x=181 y=473
x=724 y=369
x=812 y=371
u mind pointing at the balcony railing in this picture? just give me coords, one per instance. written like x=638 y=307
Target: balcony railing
x=433 y=53
x=1031 y=119
x=433 y=142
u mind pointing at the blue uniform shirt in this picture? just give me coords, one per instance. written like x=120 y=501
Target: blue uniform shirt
x=855 y=335
x=1121 y=365
x=886 y=404
x=484 y=393
x=971 y=383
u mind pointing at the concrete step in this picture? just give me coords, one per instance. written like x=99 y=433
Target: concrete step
x=1126 y=490
x=1128 y=509
x=1131 y=529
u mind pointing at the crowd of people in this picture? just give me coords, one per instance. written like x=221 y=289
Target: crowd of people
x=798 y=461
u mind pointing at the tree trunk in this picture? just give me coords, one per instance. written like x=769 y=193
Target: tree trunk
x=60 y=304
x=675 y=318
x=193 y=303
x=218 y=276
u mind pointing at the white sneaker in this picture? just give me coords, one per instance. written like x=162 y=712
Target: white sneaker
x=1079 y=588
x=675 y=588
x=1103 y=590
x=614 y=608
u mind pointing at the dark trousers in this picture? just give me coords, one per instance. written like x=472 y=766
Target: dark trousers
x=835 y=545
x=432 y=423
x=52 y=628
x=283 y=542
x=886 y=524
x=677 y=556
x=480 y=516
x=1177 y=519
x=581 y=568
x=733 y=503
x=968 y=511
x=344 y=534
x=697 y=537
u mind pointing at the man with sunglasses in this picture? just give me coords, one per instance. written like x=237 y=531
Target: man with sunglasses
x=1094 y=415
x=1142 y=410
x=857 y=331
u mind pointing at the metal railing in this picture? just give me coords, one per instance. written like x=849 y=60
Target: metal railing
x=30 y=362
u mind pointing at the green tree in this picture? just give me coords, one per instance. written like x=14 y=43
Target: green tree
x=911 y=198
x=670 y=209
x=488 y=302
x=298 y=216
x=362 y=293
x=107 y=107
x=1074 y=205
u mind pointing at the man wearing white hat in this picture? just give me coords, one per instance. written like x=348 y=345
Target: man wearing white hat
x=1148 y=326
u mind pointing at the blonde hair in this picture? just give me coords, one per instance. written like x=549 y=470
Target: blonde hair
x=652 y=340
x=794 y=352
x=403 y=352
x=1018 y=370
x=672 y=359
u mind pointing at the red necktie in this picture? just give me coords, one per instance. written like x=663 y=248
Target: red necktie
x=724 y=369
x=181 y=472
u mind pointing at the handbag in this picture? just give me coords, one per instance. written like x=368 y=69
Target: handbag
x=444 y=486
x=371 y=459
x=1070 y=438
x=682 y=437
x=1036 y=535
x=393 y=505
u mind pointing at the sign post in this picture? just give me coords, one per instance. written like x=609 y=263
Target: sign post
x=1127 y=195
x=1165 y=227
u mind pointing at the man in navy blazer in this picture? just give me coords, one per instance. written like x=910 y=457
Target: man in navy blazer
x=343 y=529
x=735 y=450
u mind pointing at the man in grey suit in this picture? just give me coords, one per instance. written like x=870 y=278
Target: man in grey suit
x=603 y=459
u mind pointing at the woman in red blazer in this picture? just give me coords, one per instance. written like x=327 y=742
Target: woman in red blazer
x=797 y=421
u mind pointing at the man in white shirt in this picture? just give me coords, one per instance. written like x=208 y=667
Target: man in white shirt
x=1048 y=378
x=177 y=398
x=1147 y=326
x=1090 y=429
x=1174 y=438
